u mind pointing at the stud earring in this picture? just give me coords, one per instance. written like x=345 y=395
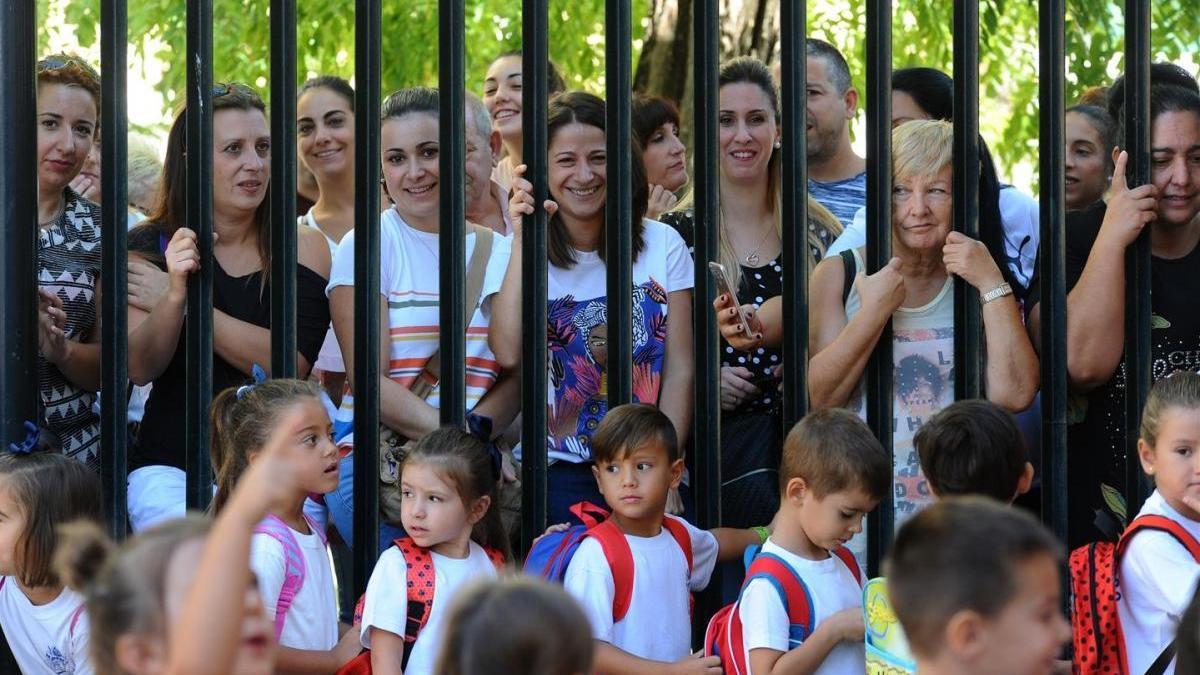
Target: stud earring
x=778 y=145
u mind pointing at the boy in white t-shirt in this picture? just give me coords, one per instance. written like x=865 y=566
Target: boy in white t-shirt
x=833 y=473
x=975 y=584
x=637 y=462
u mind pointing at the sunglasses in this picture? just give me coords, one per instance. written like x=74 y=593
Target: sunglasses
x=61 y=61
x=226 y=88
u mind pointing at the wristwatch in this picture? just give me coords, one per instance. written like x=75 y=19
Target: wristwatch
x=995 y=294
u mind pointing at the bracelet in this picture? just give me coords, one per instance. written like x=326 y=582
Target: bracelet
x=995 y=294
x=762 y=532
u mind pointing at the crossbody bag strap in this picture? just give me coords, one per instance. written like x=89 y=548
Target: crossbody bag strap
x=476 y=269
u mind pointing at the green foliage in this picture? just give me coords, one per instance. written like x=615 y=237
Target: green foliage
x=325 y=39
x=922 y=34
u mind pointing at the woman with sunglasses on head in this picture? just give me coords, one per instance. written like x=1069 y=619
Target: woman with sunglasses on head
x=241 y=173
x=68 y=114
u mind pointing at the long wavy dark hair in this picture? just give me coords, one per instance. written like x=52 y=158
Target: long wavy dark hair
x=584 y=108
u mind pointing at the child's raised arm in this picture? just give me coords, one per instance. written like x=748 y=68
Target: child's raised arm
x=732 y=542
x=209 y=630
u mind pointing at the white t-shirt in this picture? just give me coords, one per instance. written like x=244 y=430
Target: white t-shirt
x=408 y=279
x=41 y=636
x=386 y=605
x=658 y=624
x=312 y=620
x=329 y=359
x=832 y=588
x=577 y=322
x=1158 y=579
x=1018 y=212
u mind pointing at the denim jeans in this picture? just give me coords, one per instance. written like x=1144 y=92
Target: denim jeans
x=341 y=508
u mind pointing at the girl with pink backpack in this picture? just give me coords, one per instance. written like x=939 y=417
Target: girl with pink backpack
x=288 y=553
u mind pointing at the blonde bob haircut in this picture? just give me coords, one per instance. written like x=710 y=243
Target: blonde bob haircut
x=922 y=148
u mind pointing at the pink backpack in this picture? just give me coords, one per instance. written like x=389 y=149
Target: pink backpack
x=295 y=569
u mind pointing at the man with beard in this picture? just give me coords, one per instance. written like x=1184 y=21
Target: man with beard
x=837 y=177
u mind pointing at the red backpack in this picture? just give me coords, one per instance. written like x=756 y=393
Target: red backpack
x=1095 y=585
x=552 y=553
x=422 y=584
x=724 y=636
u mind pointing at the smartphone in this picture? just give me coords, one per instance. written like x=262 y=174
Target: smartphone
x=724 y=287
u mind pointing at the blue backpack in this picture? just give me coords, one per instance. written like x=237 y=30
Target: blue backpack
x=551 y=553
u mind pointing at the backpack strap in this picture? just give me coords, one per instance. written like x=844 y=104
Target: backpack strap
x=793 y=592
x=294 y=568
x=620 y=560
x=851 y=270
x=422 y=584
x=75 y=620
x=682 y=537
x=496 y=556
x=589 y=514
x=1185 y=539
x=847 y=557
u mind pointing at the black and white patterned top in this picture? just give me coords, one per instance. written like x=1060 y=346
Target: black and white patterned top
x=69 y=266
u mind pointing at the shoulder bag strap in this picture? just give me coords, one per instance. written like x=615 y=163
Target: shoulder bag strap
x=476 y=268
x=851 y=270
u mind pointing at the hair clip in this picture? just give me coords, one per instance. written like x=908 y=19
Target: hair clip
x=259 y=375
x=27 y=446
x=480 y=426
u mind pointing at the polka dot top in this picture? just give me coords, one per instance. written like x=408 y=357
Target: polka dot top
x=759 y=284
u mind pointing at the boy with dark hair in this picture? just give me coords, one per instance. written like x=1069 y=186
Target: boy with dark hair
x=975 y=585
x=974 y=447
x=833 y=472
x=637 y=462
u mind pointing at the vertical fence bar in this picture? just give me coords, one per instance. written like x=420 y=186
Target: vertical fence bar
x=1051 y=86
x=114 y=367
x=18 y=227
x=283 y=196
x=452 y=250
x=618 y=74
x=707 y=182
x=968 y=321
x=367 y=18
x=1137 y=260
x=879 y=251
x=199 y=337
x=535 y=59
x=795 y=213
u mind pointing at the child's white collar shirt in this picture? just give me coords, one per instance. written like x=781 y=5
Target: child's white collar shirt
x=1158 y=578
x=658 y=625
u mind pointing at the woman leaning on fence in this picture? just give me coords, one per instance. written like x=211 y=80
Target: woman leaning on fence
x=241 y=173
x=68 y=114
x=409 y=309
x=577 y=328
x=751 y=250
x=915 y=290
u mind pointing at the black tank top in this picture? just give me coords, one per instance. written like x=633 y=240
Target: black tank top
x=162 y=439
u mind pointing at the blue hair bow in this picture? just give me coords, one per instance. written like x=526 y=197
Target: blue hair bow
x=480 y=426
x=259 y=375
x=27 y=446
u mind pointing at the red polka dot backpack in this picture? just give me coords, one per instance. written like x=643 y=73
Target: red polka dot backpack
x=1096 y=589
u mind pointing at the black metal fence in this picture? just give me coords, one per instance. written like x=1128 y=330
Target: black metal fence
x=17 y=245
